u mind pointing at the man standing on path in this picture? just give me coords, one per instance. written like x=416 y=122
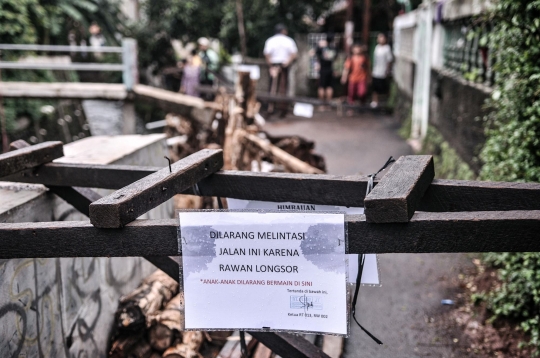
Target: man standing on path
x=382 y=65
x=280 y=51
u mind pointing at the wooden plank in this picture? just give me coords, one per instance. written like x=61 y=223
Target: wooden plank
x=482 y=231
x=289 y=345
x=280 y=187
x=441 y=195
x=466 y=195
x=398 y=193
x=83 y=175
x=79 y=198
x=289 y=161
x=130 y=202
x=302 y=188
x=29 y=157
x=169 y=100
x=262 y=351
x=18 y=144
x=65 y=90
x=166 y=264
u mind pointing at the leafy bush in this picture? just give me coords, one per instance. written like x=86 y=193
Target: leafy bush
x=512 y=149
x=519 y=295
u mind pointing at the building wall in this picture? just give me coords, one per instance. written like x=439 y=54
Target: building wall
x=456 y=110
x=456 y=106
x=64 y=307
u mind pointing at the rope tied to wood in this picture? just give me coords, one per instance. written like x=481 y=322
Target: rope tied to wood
x=372 y=176
x=361 y=259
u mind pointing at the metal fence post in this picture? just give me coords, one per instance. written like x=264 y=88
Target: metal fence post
x=129 y=60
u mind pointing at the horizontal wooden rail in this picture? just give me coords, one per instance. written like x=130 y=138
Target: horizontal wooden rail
x=441 y=195
x=29 y=157
x=130 y=202
x=61 y=48
x=513 y=231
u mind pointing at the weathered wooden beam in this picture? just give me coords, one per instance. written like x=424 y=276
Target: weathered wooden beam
x=303 y=188
x=289 y=161
x=79 y=198
x=398 y=193
x=280 y=187
x=169 y=100
x=289 y=345
x=29 y=157
x=18 y=144
x=467 y=195
x=482 y=231
x=130 y=202
x=441 y=195
x=83 y=175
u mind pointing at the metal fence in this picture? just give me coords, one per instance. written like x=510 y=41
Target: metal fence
x=128 y=66
x=466 y=51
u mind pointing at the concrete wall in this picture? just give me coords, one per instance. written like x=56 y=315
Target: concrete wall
x=456 y=106
x=456 y=110
x=65 y=307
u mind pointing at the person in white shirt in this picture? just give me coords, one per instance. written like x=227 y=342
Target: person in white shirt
x=280 y=51
x=382 y=65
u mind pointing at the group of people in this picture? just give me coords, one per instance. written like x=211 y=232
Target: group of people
x=358 y=74
x=280 y=51
x=199 y=68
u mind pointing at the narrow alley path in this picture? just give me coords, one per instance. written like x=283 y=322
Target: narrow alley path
x=404 y=312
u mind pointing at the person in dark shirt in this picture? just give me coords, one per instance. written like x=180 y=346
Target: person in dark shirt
x=326 y=54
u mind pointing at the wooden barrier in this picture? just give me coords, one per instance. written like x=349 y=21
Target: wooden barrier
x=507 y=216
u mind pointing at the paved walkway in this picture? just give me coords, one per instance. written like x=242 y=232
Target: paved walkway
x=404 y=312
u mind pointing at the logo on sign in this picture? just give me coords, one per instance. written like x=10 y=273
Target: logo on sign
x=306 y=302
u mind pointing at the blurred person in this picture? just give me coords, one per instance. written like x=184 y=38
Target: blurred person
x=97 y=39
x=279 y=51
x=356 y=73
x=326 y=54
x=209 y=62
x=382 y=66
x=191 y=74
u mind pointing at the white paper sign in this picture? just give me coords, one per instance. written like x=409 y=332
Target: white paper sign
x=264 y=271
x=303 y=110
x=370 y=274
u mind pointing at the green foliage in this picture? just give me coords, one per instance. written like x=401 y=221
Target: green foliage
x=16 y=20
x=49 y=21
x=519 y=295
x=17 y=107
x=447 y=162
x=512 y=149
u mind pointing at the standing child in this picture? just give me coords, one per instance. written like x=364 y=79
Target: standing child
x=190 y=78
x=382 y=65
x=356 y=72
x=326 y=54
